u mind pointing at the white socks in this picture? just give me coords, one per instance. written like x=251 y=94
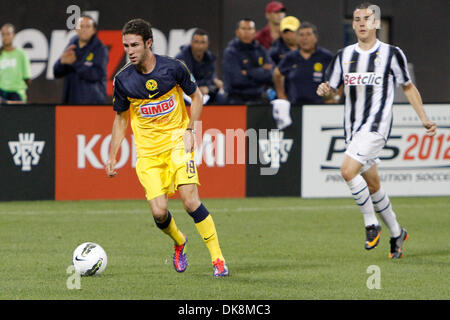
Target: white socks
x=383 y=207
x=360 y=192
x=368 y=204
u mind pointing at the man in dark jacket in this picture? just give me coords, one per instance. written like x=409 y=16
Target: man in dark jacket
x=288 y=41
x=201 y=63
x=83 y=64
x=300 y=72
x=247 y=68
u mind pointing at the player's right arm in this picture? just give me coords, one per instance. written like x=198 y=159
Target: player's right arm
x=121 y=106
x=325 y=90
x=118 y=134
x=333 y=75
x=278 y=81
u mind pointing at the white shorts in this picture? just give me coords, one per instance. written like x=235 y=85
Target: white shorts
x=365 y=148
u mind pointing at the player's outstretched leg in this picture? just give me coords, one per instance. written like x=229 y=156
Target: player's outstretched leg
x=165 y=221
x=360 y=191
x=207 y=230
x=170 y=228
x=383 y=207
x=205 y=227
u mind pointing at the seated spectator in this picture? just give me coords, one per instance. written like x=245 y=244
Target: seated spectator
x=83 y=64
x=15 y=74
x=247 y=67
x=288 y=41
x=201 y=62
x=303 y=69
x=275 y=12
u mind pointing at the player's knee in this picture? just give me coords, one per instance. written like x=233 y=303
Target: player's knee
x=160 y=213
x=191 y=204
x=373 y=187
x=189 y=197
x=347 y=173
x=160 y=217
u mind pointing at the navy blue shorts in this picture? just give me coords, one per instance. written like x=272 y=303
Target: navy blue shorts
x=10 y=95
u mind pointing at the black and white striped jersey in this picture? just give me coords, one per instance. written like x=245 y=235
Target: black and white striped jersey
x=369 y=78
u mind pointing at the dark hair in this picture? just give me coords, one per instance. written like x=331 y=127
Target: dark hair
x=364 y=5
x=92 y=19
x=199 y=32
x=139 y=27
x=306 y=24
x=368 y=5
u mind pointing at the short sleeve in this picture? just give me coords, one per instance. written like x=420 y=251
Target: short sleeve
x=333 y=73
x=285 y=65
x=185 y=79
x=399 y=67
x=120 y=101
x=26 y=66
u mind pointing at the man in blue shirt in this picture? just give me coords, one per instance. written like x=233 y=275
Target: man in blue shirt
x=201 y=62
x=83 y=64
x=247 y=67
x=303 y=69
x=288 y=41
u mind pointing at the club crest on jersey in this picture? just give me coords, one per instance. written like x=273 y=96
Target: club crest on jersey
x=377 y=61
x=363 y=79
x=260 y=61
x=156 y=109
x=318 y=67
x=151 y=85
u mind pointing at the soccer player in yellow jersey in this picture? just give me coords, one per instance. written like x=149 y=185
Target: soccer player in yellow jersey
x=148 y=92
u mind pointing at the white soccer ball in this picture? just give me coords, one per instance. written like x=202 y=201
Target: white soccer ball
x=89 y=259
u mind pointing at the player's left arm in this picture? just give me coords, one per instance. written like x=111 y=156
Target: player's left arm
x=26 y=69
x=413 y=96
x=196 y=113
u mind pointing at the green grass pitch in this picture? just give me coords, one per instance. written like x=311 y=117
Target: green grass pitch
x=276 y=248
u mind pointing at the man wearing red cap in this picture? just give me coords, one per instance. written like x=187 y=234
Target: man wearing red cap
x=275 y=12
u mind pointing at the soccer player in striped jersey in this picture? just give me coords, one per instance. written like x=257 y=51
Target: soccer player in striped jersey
x=369 y=70
x=148 y=92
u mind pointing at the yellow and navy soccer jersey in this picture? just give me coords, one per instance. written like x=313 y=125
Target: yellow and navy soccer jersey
x=158 y=114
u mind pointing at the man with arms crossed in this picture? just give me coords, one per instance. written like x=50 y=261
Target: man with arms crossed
x=149 y=91
x=369 y=69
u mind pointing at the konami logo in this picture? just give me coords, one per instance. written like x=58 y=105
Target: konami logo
x=151 y=110
x=363 y=79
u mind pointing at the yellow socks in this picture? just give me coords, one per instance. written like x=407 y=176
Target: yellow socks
x=170 y=228
x=207 y=230
x=205 y=227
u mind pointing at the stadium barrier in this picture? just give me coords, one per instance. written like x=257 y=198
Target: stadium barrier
x=82 y=145
x=59 y=152
x=413 y=164
x=27 y=152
